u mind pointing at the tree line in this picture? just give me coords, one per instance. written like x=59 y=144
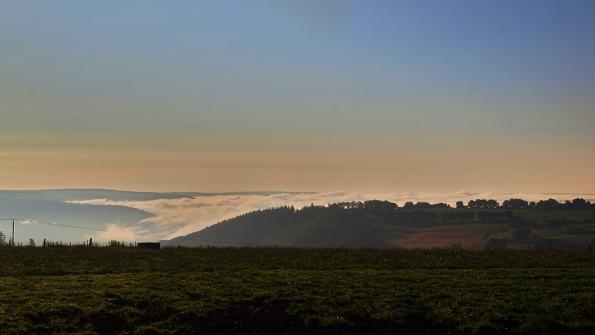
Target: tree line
x=577 y=204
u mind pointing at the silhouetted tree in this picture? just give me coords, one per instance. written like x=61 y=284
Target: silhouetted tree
x=441 y=205
x=31 y=242
x=348 y=205
x=515 y=204
x=378 y=205
x=547 y=204
x=460 y=204
x=578 y=203
x=423 y=205
x=2 y=238
x=483 y=204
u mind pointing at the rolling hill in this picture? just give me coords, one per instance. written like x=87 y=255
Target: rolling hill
x=381 y=224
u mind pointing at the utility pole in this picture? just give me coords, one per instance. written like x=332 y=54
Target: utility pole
x=13 y=243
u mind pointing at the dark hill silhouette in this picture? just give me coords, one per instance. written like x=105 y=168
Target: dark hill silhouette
x=370 y=224
x=382 y=224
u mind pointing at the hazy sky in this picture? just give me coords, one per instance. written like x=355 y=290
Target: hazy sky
x=368 y=96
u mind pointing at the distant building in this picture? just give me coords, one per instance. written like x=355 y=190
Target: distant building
x=149 y=245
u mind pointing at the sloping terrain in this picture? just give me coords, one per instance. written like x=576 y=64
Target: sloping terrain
x=377 y=224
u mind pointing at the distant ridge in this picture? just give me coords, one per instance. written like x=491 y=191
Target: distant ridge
x=66 y=194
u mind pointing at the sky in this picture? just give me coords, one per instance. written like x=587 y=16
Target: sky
x=298 y=95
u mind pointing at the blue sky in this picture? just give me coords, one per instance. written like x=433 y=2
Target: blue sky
x=253 y=77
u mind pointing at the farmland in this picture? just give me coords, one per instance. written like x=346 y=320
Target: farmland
x=295 y=291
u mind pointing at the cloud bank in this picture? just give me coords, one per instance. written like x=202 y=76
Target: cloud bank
x=176 y=217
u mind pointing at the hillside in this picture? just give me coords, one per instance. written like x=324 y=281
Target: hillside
x=381 y=224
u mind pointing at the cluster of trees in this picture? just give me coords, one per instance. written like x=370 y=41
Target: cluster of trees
x=413 y=213
x=416 y=212
x=378 y=208
x=424 y=205
x=409 y=213
x=481 y=204
x=578 y=203
x=382 y=205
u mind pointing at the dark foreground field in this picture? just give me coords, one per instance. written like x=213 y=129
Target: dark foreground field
x=290 y=291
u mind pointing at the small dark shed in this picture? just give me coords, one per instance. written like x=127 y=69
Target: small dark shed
x=149 y=245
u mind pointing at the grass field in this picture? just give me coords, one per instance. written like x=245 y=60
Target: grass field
x=295 y=291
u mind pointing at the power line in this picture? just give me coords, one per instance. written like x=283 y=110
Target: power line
x=55 y=224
